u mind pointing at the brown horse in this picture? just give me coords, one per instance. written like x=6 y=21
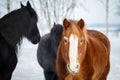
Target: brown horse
x=82 y=54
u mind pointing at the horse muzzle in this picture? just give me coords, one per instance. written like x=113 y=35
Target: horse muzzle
x=73 y=71
x=36 y=39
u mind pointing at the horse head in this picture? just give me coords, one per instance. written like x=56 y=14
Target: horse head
x=56 y=32
x=20 y=23
x=56 y=35
x=74 y=42
x=32 y=32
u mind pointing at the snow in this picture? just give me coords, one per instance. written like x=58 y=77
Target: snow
x=114 y=58
x=29 y=69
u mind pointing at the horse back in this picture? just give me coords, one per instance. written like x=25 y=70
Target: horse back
x=101 y=37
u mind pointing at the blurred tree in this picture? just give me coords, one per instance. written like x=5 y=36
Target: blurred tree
x=118 y=7
x=109 y=7
x=106 y=5
x=2 y=7
x=56 y=10
x=5 y=6
x=51 y=10
x=8 y=6
x=107 y=16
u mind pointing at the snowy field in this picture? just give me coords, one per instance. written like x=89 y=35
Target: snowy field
x=29 y=69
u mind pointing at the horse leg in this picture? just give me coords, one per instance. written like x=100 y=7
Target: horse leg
x=49 y=75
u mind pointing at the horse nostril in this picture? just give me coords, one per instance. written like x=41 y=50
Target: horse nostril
x=68 y=66
x=77 y=66
x=73 y=72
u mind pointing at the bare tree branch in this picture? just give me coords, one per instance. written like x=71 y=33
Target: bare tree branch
x=102 y=2
x=118 y=8
x=8 y=6
x=107 y=4
x=56 y=10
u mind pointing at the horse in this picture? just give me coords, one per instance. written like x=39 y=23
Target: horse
x=14 y=26
x=82 y=54
x=47 y=51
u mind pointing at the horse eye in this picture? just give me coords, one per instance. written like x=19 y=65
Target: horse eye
x=81 y=41
x=65 y=40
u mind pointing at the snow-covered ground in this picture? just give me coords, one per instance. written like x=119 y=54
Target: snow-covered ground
x=114 y=58
x=29 y=69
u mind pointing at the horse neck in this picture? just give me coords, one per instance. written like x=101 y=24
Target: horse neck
x=56 y=39
x=13 y=33
x=53 y=44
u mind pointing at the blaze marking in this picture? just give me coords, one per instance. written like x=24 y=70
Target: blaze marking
x=73 y=51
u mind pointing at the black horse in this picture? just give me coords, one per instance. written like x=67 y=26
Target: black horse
x=47 y=51
x=13 y=27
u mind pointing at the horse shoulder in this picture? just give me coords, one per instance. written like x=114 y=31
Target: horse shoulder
x=97 y=53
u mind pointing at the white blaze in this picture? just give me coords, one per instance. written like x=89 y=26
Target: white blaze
x=73 y=52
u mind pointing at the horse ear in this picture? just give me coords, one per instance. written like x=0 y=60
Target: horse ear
x=81 y=23
x=28 y=4
x=31 y=11
x=52 y=30
x=54 y=24
x=21 y=4
x=66 y=23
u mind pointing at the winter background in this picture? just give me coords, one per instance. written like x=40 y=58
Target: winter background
x=94 y=16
